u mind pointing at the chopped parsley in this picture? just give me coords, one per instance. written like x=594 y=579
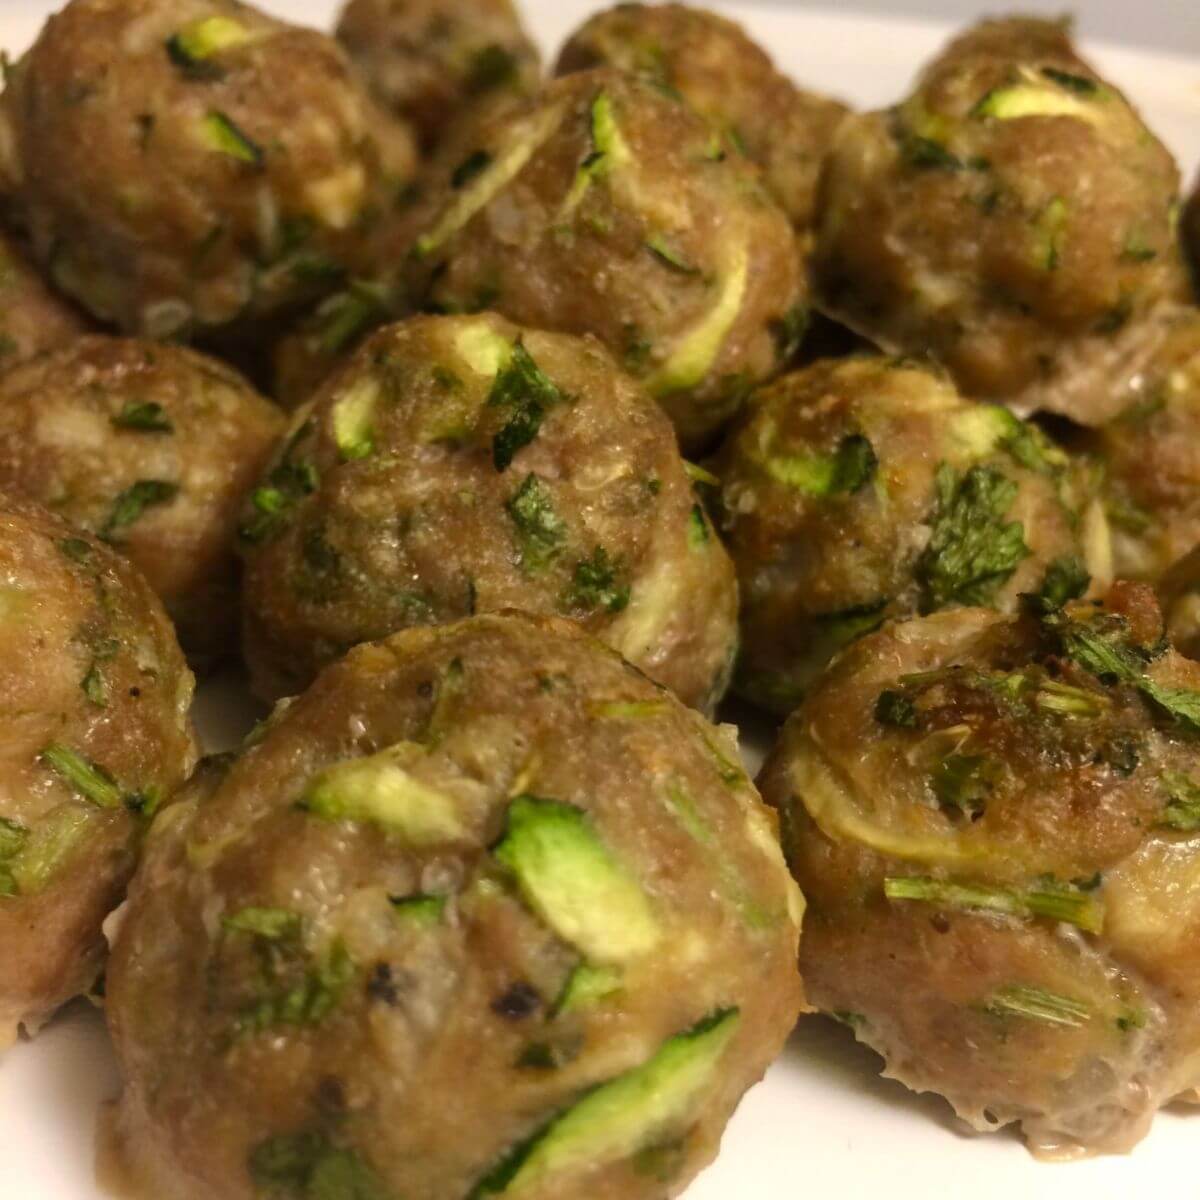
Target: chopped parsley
x=523 y=388
x=895 y=709
x=307 y=1166
x=541 y=532
x=963 y=782
x=972 y=550
x=147 y=417
x=133 y=502
x=594 y=585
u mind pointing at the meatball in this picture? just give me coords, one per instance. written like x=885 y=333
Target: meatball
x=95 y=696
x=1179 y=593
x=1012 y=217
x=608 y=207
x=432 y=61
x=729 y=80
x=994 y=819
x=462 y=464
x=33 y=318
x=867 y=488
x=491 y=845
x=1148 y=456
x=189 y=165
x=152 y=448
x=1191 y=234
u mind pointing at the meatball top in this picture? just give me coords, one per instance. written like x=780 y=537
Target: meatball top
x=994 y=820
x=1147 y=457
x=95 y=696
x=462 y=464
x=727 y=78
x=489 y=843
x=866 y=488
x=434 y=61
x=151 y=447
x=33 y=318
x=188 y=164
x=1012 y=216
x=608 y=207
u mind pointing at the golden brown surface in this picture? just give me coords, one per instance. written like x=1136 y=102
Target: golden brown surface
x=822 y=559
x=1057 y=987
x=433 y=61
x=394 y=503
x=153 y=448
x=729 y=80
x=409 y=1071
x=170 y=195
x=1011 y=217
x=90 y=672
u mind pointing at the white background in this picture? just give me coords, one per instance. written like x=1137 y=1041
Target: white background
x=823 y=1124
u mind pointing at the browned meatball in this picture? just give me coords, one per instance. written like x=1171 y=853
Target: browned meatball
x=462 y=464
x=1191 y=234
x=485 y=870
x=867 y=488
x=995 y=822
x=33 y=318
x=1012 y=217
x=1147 y=457
x=432 y=61
x=729 y=80
x=188 y=164
x=95 y=696
x=608 y=207
x=153 y=448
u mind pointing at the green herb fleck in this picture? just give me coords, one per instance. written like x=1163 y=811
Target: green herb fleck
x=595 y=585
x=698 y=534
x=274 y=924
x=522 y=387
x=133 y=502
x=541 y=532
x=147 y=417
x=963 y=782
x=661 y=249
x=972 y=550
x=1066 y=579
x=850 y=467
x=895 y=709
x=93 y=686
x=1049 y=899
x=306 y=1166
x=1183 y=806
x=224 y=136
x=472 y=165
x=1078 y=84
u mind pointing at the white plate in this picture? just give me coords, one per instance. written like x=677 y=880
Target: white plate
x=823 y=1122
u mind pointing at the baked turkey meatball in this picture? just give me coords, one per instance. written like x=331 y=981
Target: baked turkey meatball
x=729 y=80
x=1147 y=457
x=867 y=488
x=95 y=695
x=33 y=318
x=995 y=822
x=184 y=165
x=608 y=207
x=1191 y=234
x=482 y=913
x=1012 y=217
x=153 y=448
x=463 y=464
x=434 y=61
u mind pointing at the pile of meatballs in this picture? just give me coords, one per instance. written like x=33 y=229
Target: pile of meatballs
x=367 y=363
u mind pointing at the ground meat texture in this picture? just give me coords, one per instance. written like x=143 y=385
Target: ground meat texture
x=1191 y=234
x=866 y=488
x=729 y=80
x=608 y=207
x=1011 y=217
x=432 y=61
x=95 y=697
x=152 y=448
x=1147 y=458
x=33 y=318
x=994 y=820
x=483 y=869
x=460 y=465
x=188 y=164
